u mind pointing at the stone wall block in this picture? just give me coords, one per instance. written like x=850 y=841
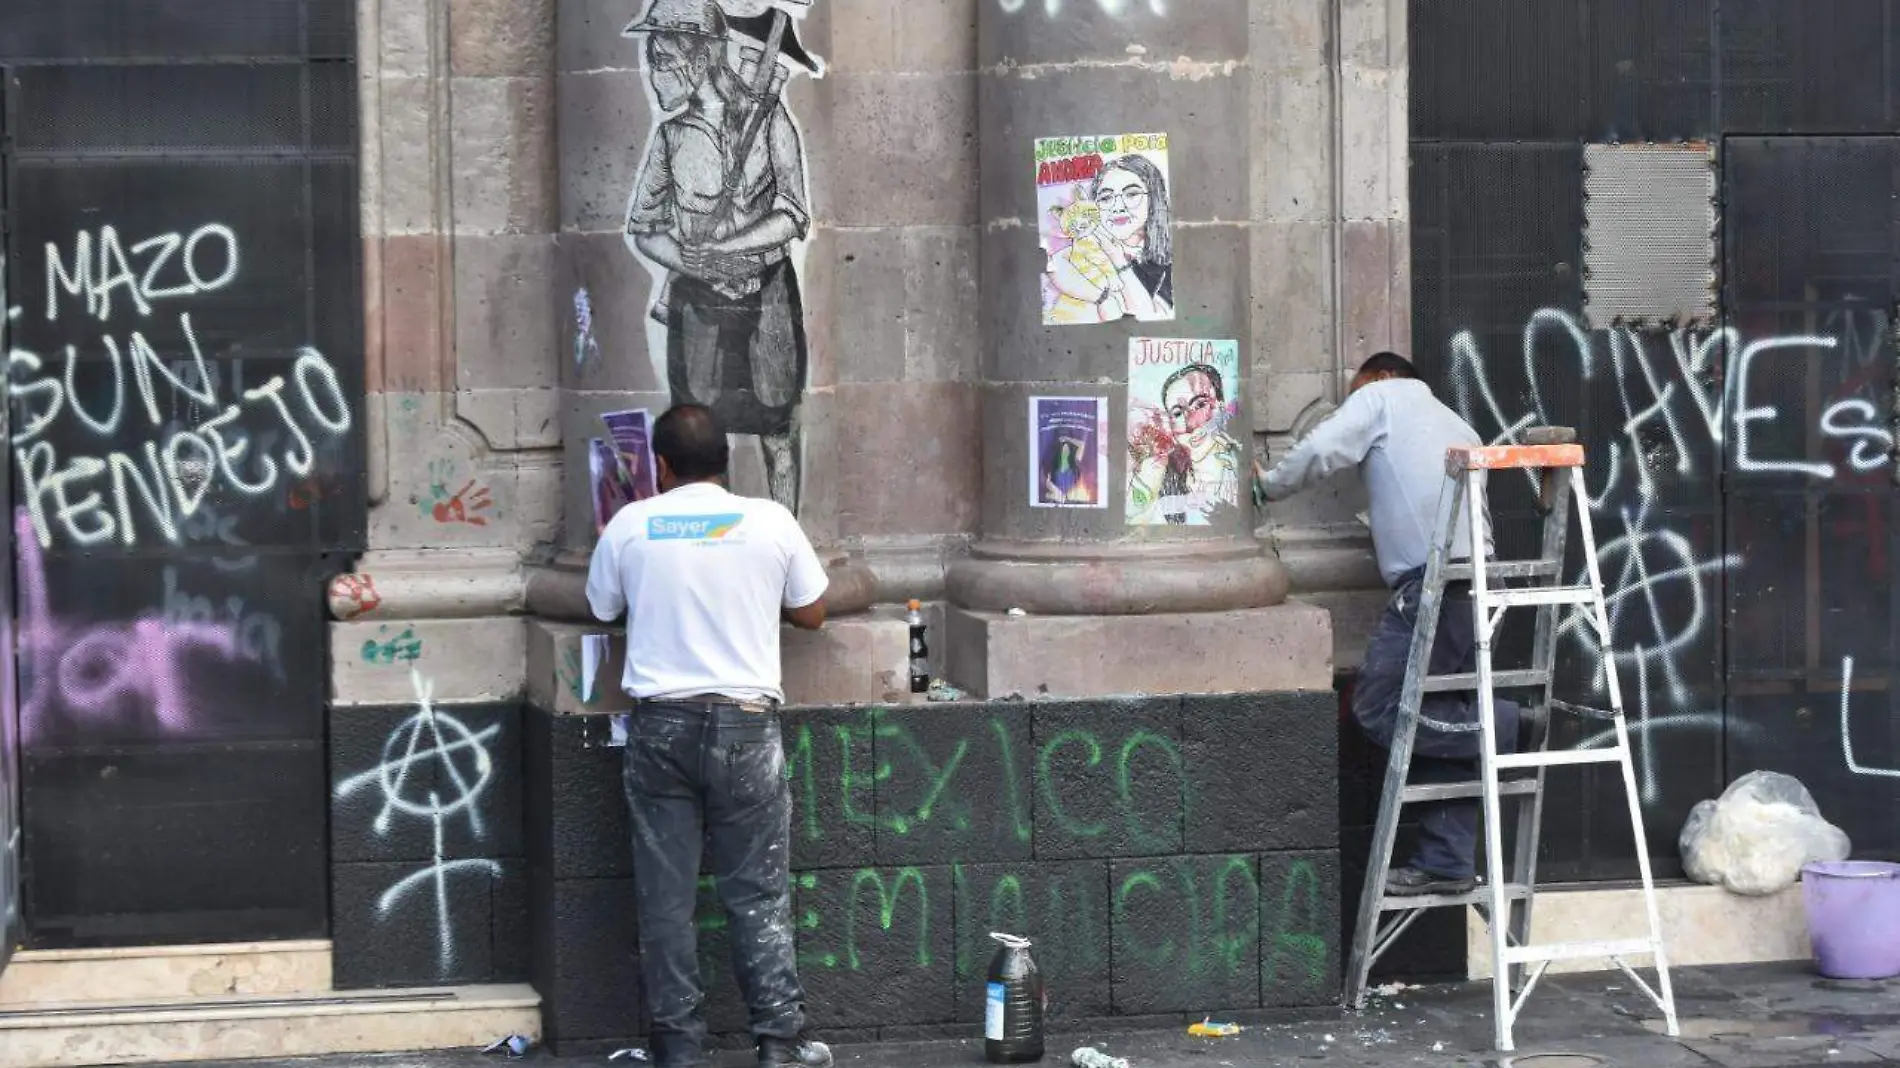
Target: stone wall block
x=605 y=123
x=506 y=178
x=902 y=151
x=505 y=306
x=501 y=38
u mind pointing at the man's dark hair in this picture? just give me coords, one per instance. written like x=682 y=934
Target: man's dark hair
x=1220 y=391
x=1388 y=363
x=691 y=441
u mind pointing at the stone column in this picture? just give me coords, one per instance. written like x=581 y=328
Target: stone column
x=1332 y=266
x=1078 y=601
x=611 y=356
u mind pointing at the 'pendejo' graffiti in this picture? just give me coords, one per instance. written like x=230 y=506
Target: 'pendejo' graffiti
x=720 y=216
x=133 y=464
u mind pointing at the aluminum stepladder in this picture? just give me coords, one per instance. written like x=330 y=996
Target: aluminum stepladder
x=1556 y=461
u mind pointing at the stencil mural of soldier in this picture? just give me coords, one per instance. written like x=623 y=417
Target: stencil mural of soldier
x=720 y=215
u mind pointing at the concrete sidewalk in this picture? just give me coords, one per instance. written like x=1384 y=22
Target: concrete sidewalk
x=1754 y=1016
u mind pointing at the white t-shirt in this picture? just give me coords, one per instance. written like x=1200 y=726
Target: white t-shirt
x=702 y=575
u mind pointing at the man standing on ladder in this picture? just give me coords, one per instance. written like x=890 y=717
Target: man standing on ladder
x=1396 y=432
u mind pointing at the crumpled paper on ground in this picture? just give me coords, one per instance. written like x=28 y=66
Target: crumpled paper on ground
x=1754 y=839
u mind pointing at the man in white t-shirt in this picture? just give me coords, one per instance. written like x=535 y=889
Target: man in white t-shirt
x=704 y=578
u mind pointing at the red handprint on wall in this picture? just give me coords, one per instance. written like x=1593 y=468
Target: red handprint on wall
x=465 y=505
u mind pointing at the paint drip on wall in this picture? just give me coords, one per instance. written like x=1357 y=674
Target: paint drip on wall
x=1184 y=464
x=1068 y=452
x=586 y=346
x=1106 y=218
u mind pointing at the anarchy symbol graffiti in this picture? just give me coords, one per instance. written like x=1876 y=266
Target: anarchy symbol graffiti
x=431 y=741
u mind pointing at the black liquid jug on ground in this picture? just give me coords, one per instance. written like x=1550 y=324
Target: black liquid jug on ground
x=1012 y=1017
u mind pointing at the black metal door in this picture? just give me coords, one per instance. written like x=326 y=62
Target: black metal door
x=1812 y=274
x=11 y=914
x=188 y=455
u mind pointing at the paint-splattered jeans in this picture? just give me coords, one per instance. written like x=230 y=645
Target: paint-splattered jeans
x=714 y=775
x=1448 y=830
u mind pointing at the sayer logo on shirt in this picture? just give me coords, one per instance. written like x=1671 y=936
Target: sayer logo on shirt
x=691 y=527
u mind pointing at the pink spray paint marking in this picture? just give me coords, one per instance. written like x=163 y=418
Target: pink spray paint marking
x=102 y=671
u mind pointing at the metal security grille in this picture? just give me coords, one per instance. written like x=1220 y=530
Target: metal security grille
x=1498 y=318
x=1649 y=235
x=1743 y=470
x=177 y=31
x=182 y=243
x=1813 y=229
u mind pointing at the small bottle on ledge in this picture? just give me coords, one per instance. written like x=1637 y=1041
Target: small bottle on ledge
x=919 y=650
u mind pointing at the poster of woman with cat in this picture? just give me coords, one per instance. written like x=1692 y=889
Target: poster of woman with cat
x=1107 y=228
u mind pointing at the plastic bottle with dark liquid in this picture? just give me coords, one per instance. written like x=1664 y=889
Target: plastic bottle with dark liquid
x=1014 y=1007
x=919 y=650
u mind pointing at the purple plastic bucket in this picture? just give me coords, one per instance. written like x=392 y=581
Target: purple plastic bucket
x=1853 y=917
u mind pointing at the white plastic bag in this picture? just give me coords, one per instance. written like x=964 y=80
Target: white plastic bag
x=1754 y=839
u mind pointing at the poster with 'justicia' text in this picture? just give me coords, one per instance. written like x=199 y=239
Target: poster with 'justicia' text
x=1184 y=463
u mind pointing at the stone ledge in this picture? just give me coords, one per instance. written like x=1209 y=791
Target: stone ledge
x=861 y=659
x=461 y=660
x=558 y=590
x=1118 y=578
x=44 y=977
x=244 y=1028
x=438 y=584
x=1701 y=925
x=1285 y=647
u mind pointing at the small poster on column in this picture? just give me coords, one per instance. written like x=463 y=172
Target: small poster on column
x=1107 y=225
x=632 y=433
x=621 y=470
x=1183 y=406
x=1068 y=452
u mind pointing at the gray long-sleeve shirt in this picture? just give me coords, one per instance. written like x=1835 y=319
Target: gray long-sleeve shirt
x=1396 y=432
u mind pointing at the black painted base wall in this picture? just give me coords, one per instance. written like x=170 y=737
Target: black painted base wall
x=428 y=875
x=1433 y=947
x=1168 y=855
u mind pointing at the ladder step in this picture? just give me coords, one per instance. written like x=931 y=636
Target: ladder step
x=1450 y=791
x=1545 y=595
x=1500 y=680
x=1577 y=950
x=1609 y=754
x=1583 y=710
x=1480 y=896
x=1505 y=569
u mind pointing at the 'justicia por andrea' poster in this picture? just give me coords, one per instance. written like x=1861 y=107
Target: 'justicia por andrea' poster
x=1107 y=226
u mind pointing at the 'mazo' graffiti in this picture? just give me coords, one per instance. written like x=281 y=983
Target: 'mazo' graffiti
x=105 y=493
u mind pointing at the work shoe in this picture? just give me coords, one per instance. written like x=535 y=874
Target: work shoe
x=801 y=1052
x=1416 y=882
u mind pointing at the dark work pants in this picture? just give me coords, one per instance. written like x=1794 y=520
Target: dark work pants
x=1448 y=830
x=711 y=774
